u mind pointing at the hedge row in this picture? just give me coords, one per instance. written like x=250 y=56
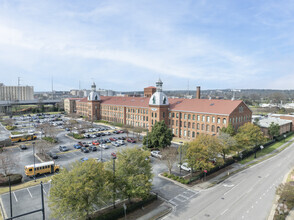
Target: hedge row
x=176 y=178
x=14 y=179
x=119 y=212
x=8 y=127
x=50 y=139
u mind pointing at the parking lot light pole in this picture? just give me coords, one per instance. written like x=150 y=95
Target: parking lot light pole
x=114 y=186
x=181 y=143
x=34 y=161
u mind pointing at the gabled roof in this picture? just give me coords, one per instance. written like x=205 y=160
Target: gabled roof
x=212 y=106
x=125 y=101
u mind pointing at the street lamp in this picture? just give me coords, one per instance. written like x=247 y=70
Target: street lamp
x=113 y=158
x=34 y=161
x=181 y=143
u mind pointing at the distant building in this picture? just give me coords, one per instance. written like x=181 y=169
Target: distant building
x=187 y=118
x=149 y=91
x=264 y=124
x=16 y=93
x=286 y=117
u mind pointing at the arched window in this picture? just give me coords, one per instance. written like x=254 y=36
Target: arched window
x=217 y=129
x=207 y=127
x=224 y=121
x=212 y=128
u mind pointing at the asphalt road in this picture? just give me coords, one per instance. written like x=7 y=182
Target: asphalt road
x=246 y=195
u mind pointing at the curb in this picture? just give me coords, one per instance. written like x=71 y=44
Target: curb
x=274 y=206
x=175 y=182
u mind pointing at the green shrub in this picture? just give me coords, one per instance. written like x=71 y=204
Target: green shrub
x=14 y=179
x=50 y=139
x=77 y=136
x=8 y=127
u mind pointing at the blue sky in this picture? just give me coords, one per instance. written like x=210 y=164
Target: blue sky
x=128 y=45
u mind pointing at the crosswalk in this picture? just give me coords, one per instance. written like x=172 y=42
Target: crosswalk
x=183 y=197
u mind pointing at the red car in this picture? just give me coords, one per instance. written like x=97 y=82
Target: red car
x=95 y=143
x=121 y=131
x=131 y=140
x=112 y=139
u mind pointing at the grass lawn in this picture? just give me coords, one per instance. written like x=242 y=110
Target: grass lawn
x=175 y=139
x=24 y=185
x=267 y=150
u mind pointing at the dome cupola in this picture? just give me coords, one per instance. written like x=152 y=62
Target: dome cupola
x=158 y=98
x=93 y=96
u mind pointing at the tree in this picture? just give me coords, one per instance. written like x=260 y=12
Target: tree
x=229 y=130
x=159 y=137
x=7 y=163
x=274 y=130
x=133 y=173
x=138 y=131
x=249 y=136
x=75 y=193
x=202 y=151
x=43 y=147
x=169 y=157
x=227 y=144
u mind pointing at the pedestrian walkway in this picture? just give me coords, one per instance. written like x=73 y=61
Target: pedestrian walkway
x=234 y=168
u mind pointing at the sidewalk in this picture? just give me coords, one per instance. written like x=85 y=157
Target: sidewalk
x=236 y=167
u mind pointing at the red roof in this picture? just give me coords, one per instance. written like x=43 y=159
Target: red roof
x=125 y=101
x=151 y=87
x=85 y=99
x=213 y=106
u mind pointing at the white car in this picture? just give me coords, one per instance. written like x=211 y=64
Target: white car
x=156 y=153
x=185 y=167
x=104 y=146
x=121 y=142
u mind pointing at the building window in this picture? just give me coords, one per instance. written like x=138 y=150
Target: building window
x=212 y=128
x=198 y=126
x=213 y=119
x=177 y=123
x=241 y=109
x=202 y=127
x=189 y=116
x=169 y=115
x=177 y=115
x=172 y=122
x=185 y=116
x=180 y=132
x=193 y=117
x=198 y=117
x=176 y=131
x=173 y=130
x=185 y=133
x=163 y=114
x=180 y=123
x=207 y=127
x=188 y=133
x=184 y=124
x=193 y=125
x=155 y=115
x=189 y=124
x=152 y=114
x=193 y=134
x=207 y=118
x=217 y=129
x=218 y=120
x=224 y=121
x=203 y=118
x=173 y=115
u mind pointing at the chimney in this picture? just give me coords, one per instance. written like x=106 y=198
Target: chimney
x=198 y=92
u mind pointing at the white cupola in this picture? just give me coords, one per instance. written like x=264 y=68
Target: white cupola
x=93 y=96
x=158 y=98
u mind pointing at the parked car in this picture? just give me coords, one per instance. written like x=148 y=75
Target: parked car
x=107 y=133
x=112 y=139
x=23 y=147
x=185 y=167
x=131 y=140
x=84 y=159
x=93 y=148
x=77 y=146
x=114 y=143
x=121 y=142
x=85 y=150
x=53 y=155
x=63 y=148
x=95 y=142
x=156 y=153
x=104 y=146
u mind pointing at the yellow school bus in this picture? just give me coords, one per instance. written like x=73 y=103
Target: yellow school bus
x=41 y=168
x=22 y=137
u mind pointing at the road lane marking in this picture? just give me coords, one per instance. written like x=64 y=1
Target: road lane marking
x=224 y=211
x=234 y=187
x=15 y=197
x=29 y=192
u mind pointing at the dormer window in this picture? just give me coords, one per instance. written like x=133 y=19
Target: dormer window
x=153 y=100
x=164 y=100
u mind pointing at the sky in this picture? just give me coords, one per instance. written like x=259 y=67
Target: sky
x=126 y=45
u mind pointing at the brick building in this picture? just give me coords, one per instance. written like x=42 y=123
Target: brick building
x=186 y=117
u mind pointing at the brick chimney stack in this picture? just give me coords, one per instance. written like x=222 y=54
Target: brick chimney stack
x=198 y=92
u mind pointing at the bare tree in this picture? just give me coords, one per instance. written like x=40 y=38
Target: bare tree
x=43 y=147
x=7 y=163
x=138 y=131
x=169 y=157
